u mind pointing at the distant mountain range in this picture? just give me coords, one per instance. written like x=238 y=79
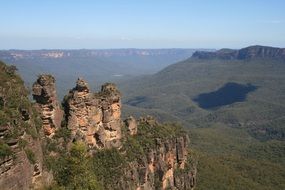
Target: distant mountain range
x=245 y=53
x=96 y=66
x=231 y=101
x=174 y=91
x=61 y=53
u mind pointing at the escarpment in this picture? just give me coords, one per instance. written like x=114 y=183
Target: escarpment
x=21 y=155
x=165 y=161
x=250 y=52
x=153 y=155
x=121 y=154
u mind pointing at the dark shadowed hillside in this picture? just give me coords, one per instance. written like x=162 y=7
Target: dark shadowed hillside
x=228 y=94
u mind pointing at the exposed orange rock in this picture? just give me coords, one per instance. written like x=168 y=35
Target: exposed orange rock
x=131 y=124
x=161 y=163
x=44 y=92
x=94 y=117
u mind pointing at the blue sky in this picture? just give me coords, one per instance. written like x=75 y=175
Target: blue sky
x=75 y=24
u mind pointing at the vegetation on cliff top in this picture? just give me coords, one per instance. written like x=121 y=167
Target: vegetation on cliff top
x=17 y=115
x=105 y=169
x=146 y=138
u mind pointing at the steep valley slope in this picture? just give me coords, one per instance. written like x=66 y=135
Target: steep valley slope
x=233 y=102
x=84 y=143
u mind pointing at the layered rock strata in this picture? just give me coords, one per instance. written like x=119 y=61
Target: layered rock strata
x=44 y=93
x=165 y=166
x=17 y=171
x=21 y=157
x=94 y=117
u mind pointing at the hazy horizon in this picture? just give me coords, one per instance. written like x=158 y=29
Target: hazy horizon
x=134 y=48
x=110 y=24
x=99 y=49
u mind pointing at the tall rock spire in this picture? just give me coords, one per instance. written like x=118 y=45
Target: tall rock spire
x=94 y=117
x=44 y=93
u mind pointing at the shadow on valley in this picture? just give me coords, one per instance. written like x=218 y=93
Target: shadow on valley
x=136 y=101
x=226 y=95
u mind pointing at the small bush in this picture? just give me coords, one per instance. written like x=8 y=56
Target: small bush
x=22 y=143
x=108 y=166
x=31 y=156
x=5 y=150
x=64 y=133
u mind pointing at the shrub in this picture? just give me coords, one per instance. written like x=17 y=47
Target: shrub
x=30 y=155
x=108 y=166
x=73 y=171
x=5 y=150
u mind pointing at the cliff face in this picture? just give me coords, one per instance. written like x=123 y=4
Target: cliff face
x=21 y=157
x=44 y=92
x=94 y=117
x=165 y=166
x=245 y=53
x=152 y=155
x=19 y=171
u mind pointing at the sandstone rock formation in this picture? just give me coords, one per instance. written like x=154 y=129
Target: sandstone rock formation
x=94 y=117
x=167 y=162
x=24 y=168
x=161 y=161
x=131 y=125
x=21 y=157
x=44 y=92
x=17 y=171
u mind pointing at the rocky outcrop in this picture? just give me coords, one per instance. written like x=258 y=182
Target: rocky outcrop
x=242 y=54
x=23 y=168
x=21 y=157
x=167 y=165
x=94 y=117
x=131 y=125
x=44 y=93
x=261 y=52
x=157 y=161
x=19 y=171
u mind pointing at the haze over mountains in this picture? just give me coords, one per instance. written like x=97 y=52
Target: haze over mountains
x=174 y=90
x=242 y=54
x=142 y=95
x=85 y=143
x=96 y=66
x=233 y=102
